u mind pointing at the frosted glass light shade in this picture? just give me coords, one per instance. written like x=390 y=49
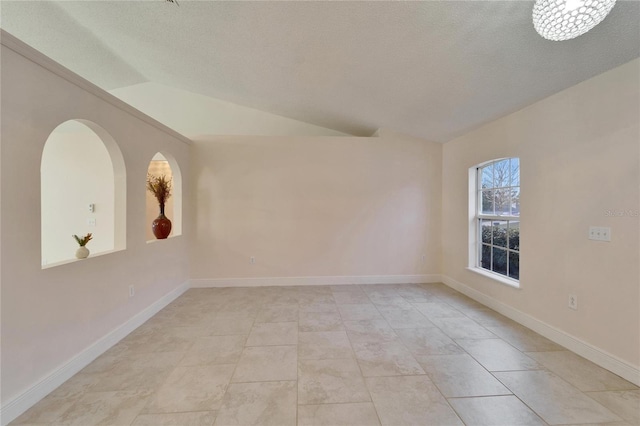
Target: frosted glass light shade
x=566 y=19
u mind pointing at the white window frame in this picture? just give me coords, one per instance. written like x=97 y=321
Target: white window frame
x=475 y=227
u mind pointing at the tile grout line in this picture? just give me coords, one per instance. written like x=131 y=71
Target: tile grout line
x=364 y=379
x=235 y=368
x=425 y=372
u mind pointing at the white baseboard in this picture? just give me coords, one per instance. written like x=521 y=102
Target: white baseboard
x=584 y=349
x=305 y=281
x=21 y=403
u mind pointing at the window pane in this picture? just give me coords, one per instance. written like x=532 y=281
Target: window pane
x=514 y=265
x=487 y=202
x=485 y=231
x=487 y=176
x=502 y=202
x=515 y=172
x=514 y=235
x=485 y=261
x=499 y=229
x=500 y=260
x=515 y=201
x=501 y=173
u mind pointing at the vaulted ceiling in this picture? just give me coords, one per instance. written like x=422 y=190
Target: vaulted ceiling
x=433 y=69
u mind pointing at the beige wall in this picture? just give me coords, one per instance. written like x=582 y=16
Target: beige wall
x=580 y=157
x=315 y=206
x=51 y=315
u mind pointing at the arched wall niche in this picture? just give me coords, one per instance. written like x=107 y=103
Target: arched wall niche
x=163 y=163
x=82 y=190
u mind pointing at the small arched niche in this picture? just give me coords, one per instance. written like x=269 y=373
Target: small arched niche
x=164 y=164
x=82 y=190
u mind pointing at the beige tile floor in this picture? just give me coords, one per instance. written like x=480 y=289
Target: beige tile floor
x=336 y=355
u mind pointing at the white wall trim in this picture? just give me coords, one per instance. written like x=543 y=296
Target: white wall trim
x=21 y=403
x=323 y=280
x=23 y=49
x=574 y=344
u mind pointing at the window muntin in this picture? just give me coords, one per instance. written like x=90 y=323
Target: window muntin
x=498 y=217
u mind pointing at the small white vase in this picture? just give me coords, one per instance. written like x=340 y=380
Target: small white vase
x=82 y=252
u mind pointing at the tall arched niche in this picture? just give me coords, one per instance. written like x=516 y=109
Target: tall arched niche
x=82 y=190
x=165 y=164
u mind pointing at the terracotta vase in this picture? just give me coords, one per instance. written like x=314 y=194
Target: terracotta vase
x=161 y=226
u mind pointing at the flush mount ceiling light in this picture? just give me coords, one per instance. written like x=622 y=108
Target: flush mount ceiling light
x=566 y=19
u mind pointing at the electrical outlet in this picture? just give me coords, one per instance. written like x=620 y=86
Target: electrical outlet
x=573 y=302
x=252 y=260
x=91 y=221
x=599 y=233
x=132 y=291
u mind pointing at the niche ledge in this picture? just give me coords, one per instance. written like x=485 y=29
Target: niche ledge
x=68 y=261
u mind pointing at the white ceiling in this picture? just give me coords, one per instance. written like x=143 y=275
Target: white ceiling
x=433 y=69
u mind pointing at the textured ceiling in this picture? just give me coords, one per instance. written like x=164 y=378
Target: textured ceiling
x=433 y=69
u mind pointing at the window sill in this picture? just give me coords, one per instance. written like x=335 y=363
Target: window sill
x=496 y=277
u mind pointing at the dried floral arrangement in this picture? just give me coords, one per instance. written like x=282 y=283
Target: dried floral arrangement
x=160 y=187
x=84 y=240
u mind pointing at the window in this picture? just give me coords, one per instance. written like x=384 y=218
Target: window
x=497 y=217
